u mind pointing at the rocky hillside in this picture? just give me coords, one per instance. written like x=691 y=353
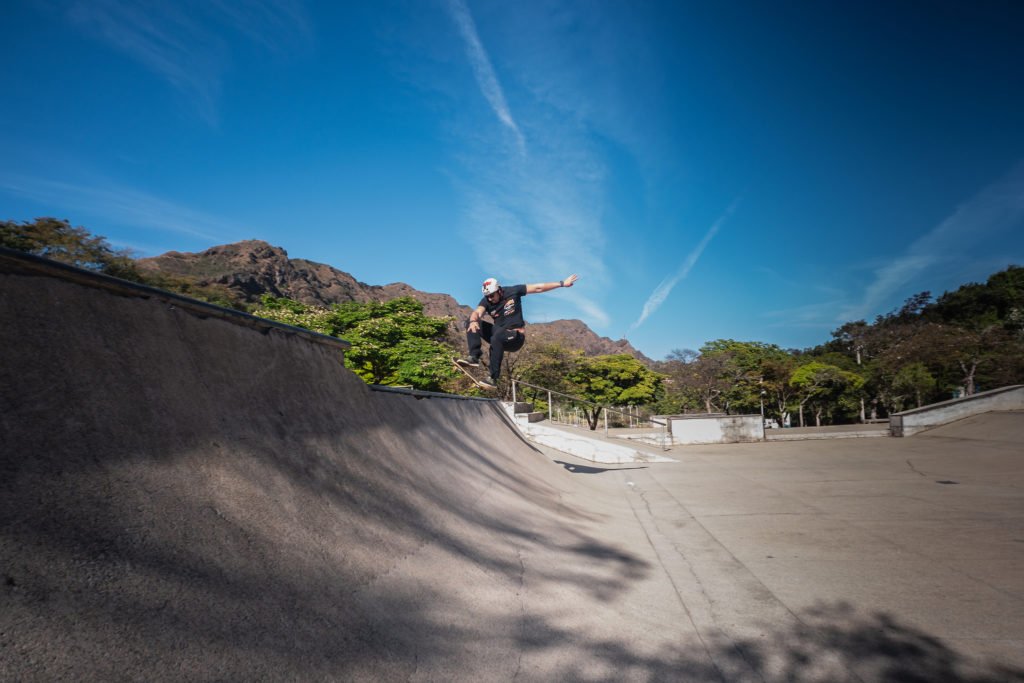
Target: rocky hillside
x=253 y=268
x=575 y=334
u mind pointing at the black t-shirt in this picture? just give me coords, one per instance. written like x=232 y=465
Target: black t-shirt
x=508 y=312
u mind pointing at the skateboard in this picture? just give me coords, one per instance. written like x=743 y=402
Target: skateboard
x=467 y=373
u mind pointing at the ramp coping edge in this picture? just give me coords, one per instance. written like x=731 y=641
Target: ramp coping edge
x=19 y=262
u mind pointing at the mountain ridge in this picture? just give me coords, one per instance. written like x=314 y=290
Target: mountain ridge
x=252 y=268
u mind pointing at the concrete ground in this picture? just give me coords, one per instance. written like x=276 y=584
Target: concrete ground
x=867 y=559
x=184 y=498
x=655 y=435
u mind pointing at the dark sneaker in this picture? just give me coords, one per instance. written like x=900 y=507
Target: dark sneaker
x=468 y=362
x=489 y=383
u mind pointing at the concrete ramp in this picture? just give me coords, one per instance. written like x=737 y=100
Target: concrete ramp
x=188 y=497
x=191 y=495
x=998 y=427
x=914 y=421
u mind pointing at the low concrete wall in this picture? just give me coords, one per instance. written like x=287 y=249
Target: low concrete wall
x=701 y=429
x=910 y=422
x=589 y=448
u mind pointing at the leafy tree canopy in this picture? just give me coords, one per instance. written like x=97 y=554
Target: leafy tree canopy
x=825 y=388
x=547 y=365
x=914 y=379
x=59 y=240
x=749 y=355
x=614 y=380
x=817 y=378
x=393 y=342
x=971 y=337
x=981 y=305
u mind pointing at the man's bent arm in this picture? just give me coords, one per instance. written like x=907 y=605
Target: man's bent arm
x=474 y=318
x=539 y=287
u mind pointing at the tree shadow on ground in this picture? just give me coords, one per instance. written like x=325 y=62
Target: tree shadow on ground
x=181 y=499
x=182 y=495
x=829 y=643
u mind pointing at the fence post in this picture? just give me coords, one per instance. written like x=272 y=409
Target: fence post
x=550 y=410
x=513 y=394
x=606 y=422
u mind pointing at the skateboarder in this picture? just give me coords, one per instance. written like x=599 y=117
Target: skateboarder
x=507 y=332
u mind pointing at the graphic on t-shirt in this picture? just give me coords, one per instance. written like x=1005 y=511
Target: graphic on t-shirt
x=507 y=312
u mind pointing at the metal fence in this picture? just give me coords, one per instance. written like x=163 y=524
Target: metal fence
x=567 y=409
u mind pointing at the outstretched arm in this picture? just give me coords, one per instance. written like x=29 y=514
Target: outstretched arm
x=539 y=287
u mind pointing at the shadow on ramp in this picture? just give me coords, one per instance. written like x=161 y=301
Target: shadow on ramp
x=183 y=498
x=187 y=498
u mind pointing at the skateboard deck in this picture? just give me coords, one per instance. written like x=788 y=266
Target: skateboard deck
x=467 y=373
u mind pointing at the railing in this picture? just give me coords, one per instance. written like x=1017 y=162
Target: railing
x=665 y=440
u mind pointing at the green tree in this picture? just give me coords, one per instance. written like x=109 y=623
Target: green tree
x=915 y=379
x=423 y=363
x=702 y=381
x=290 y=312
x=59 y=240
x=614 y=380
x=853 y=337
x=743 y=372
x=679 y=394
x=1015 y=322
x=545 y=364
x=738 y=372
x=779 y=393
x=393 y=342
x=978 y=306
x=823 y=387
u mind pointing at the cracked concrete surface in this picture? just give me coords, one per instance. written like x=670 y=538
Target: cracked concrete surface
x=186 y=499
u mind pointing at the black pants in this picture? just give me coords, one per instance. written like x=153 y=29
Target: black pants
x=500 y=339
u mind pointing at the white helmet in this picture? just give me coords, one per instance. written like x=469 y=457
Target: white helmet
x=491 y=286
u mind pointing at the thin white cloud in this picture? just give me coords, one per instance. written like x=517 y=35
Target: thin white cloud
x=539 y=216
x=995 y=209
x=592 y=310
x=661 y=292
x=540 y=224
x=806 y=316
x=183 y=42
x=119 y=205
x=483 y=70
x=278 y=25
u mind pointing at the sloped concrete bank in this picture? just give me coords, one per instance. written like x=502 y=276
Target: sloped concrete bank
x=190 y=495
x=187 y=498
x=914 y=421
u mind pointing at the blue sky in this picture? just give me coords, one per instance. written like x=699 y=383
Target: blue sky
x=762 y=171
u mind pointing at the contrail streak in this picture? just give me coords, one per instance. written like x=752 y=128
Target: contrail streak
x=482 y=69
x=661 y=292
